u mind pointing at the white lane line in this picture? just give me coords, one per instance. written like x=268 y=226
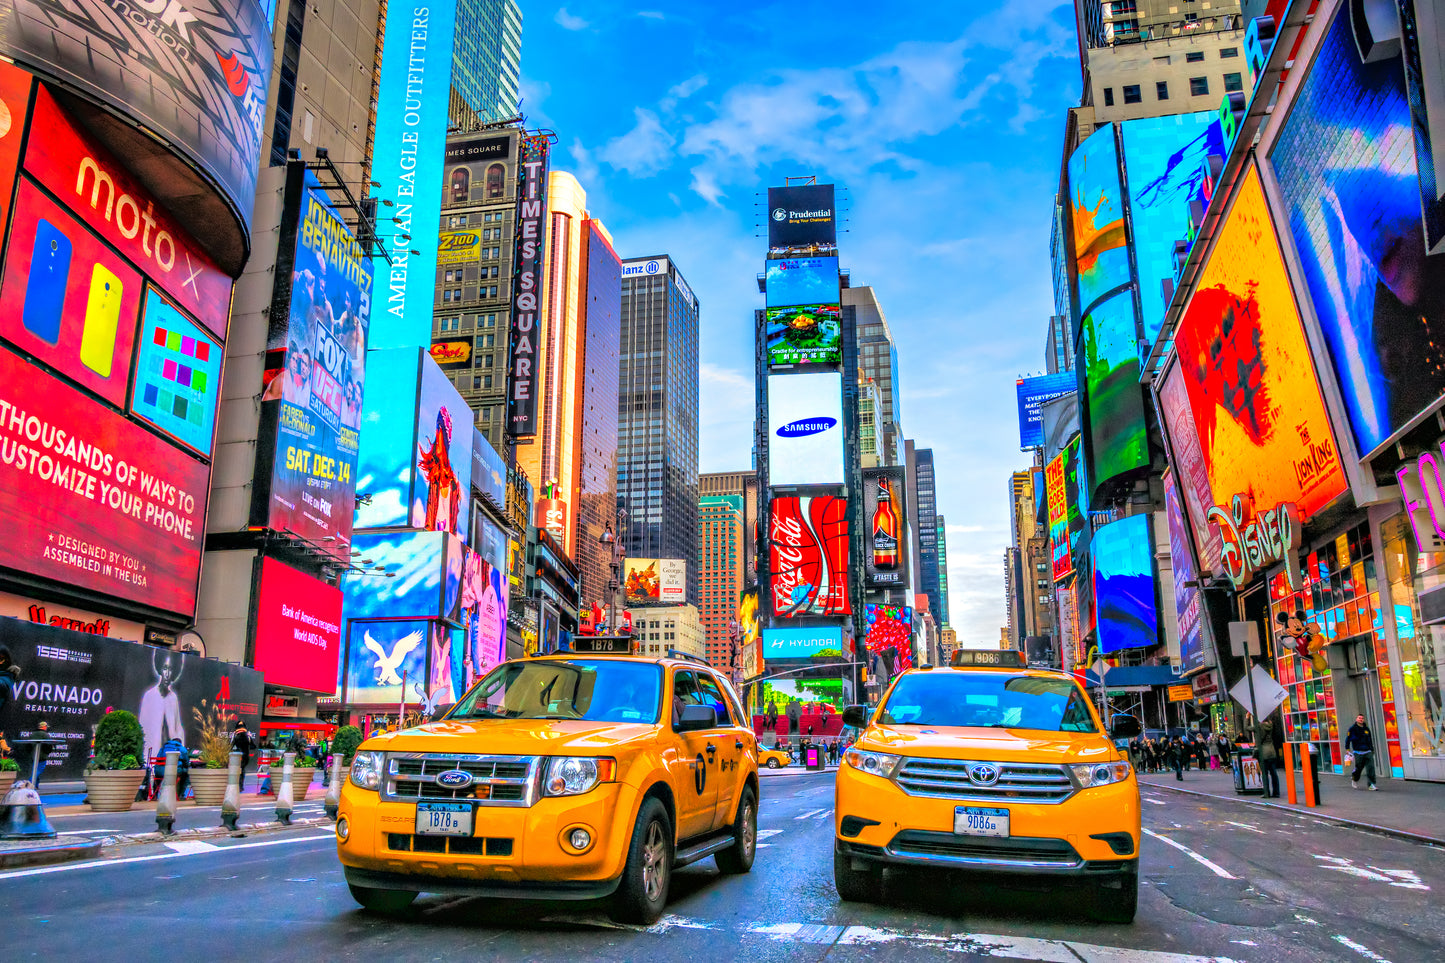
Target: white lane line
x=1366 y=952
x=767 y=834
x=825 y=814
x=187 y=846
x=1203 y=861
x=1157 y=802
x=101 y=863
x=1403 y=878
x=811 y=813
x=1253 y=829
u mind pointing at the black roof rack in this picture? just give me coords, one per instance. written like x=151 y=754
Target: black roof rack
x=679 y=654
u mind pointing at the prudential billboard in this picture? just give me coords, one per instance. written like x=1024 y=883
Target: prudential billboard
x=411 y=136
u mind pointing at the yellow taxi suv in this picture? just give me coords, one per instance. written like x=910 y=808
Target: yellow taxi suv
x=573 y=777
x=991 y=767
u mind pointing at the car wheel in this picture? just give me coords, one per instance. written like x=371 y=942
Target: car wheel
x=772 y=763
x=856 y=885
x=1118 y=905
x=738 y=858
x=642 y=895
x=384 y=902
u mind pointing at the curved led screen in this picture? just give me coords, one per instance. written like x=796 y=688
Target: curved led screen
x=1109 y=362
x=1101 y=259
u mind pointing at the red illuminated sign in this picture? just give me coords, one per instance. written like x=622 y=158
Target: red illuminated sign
x=67 y=299
x=298 y=629
x=809 y=555
x=93 y=500
x=15 y=99
x=112 y=202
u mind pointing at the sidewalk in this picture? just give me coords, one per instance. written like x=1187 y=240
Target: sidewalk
x=1405 y=808
x=793 y=770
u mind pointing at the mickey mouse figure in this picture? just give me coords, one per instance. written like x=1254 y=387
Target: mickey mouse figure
x=1307 y=639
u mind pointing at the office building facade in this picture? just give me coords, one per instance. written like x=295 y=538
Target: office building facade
x=486 y=64
x=597 y=410
x=720 y=572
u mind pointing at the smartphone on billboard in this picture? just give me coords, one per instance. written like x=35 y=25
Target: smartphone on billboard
x=45 y=288
x=102 y=317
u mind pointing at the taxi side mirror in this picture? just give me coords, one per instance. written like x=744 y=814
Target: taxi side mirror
x=856 y=717
x=1124 y=727
x=695 y=718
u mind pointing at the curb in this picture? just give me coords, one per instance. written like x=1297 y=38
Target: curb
x=211 y=832
x=793 y=771
x=46 y=854
x=1404 y=834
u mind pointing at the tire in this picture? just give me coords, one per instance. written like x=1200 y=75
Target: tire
x=1118 y=905
x=738 y=858
x=856 y=885
x=642 y=895
x=772 y=764
x=383 y=902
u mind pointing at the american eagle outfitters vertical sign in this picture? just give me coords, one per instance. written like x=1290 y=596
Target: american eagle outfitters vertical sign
x=527 y=288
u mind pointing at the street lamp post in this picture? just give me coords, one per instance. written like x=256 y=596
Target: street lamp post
x=619 y=555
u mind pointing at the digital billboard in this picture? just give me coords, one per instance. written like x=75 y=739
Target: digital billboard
x=386 y=661
x=802 y=220
x=1422 y=40
x=805 y=334
x=407 y=160
x=1188 y=600
x=783 y=644
x=67 y=299
x=489 y=471
x=889 y=628
x=419 y=590
x=298 y=629
x=885 y=551
x=94 y=500
x=1101 y=257
x=805 y=429
x=196 y=74
x=15 y=87
x=1349 y=180
x=1116 y=442
x=115 y=204
x=441 y=491
x=1163 y=160
x=306 y=463
x=531 y=266
x=483 y=614
x=802 y=280
x=1262 y=425
x=1187 y=458
x=654 y=581
x=177 y=375
x=1032 y=393
x=808 y=555
x=1124 y=597
x=389 y=421
x=1057 y=489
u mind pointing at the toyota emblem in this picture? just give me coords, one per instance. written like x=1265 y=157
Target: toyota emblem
x=983 y=774
x=454 y=779
x=779 y=214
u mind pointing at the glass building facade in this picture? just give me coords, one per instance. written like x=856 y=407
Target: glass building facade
x=486 y=63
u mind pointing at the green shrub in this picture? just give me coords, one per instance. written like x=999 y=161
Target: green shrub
x=119 y=742
x=9 y=765
x=346 y=740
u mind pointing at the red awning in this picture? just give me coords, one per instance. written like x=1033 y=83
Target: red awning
x=297 y=725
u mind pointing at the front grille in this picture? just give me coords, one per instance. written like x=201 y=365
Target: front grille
x=450 y=845
x=1024 y=782
x=984 y=849
x=496 y=780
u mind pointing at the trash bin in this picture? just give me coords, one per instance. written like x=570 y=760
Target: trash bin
x=814 y=757
x=1238 y=773
x=1248 y=778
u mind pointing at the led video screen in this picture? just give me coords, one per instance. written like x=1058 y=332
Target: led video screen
x=805 y=429
x=1188 y=602
x=442 y=484
x=1124 y=598
x=177 y=375
x=1109 y=363
x=782 y=644
x=1101 y=257
x=808 y=555
x=802 y=280
x=1058 y=498
x=1349 y=181
x=1187 y=457
x=298 y=629
x=1031 y=394
x=805 y=334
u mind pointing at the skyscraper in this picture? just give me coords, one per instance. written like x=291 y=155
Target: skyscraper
x=928 y=544
x=596 y=410
x=745 y=485
x=720 y=571
x=878 y=362
x=657 y=413
x=486 y=63
x=941 y=614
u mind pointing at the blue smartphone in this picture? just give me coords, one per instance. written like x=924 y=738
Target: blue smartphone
x=45 y=288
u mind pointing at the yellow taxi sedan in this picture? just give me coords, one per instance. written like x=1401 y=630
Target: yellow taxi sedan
x=774 y=758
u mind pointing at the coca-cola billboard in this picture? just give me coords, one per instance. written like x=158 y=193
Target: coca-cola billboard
x=808 y=555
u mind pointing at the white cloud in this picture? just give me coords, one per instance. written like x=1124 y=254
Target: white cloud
x=651 y=14
x=568 y=21
x=688 y=87
x=534 y=95
x=589 y=175
x=644 y=150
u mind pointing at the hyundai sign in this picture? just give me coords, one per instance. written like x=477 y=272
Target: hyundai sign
x=779 y=644
x=805 y=429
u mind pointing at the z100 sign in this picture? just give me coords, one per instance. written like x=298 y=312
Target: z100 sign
x=808 y=555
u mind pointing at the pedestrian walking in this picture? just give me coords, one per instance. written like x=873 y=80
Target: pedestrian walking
x=242 y=742
x=1361 y=745
x=1176 y=757
x=1267 y=753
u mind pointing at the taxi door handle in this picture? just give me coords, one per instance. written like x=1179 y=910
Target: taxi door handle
x=737 y=745
x=711 y=748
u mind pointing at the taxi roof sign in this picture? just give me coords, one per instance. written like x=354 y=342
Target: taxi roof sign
x=990 y=658
x=602 y=644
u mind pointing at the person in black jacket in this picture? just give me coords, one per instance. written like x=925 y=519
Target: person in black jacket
x=1359 y=741
x=242 y=742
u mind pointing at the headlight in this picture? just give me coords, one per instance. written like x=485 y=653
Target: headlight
x=1099 y=773
x=574 y=775
x=366 y=769
x=873 y=763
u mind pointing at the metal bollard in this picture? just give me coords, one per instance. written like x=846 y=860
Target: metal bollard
x=333 y=790
x=166 y=800
x=285 y=796
x=231 y=804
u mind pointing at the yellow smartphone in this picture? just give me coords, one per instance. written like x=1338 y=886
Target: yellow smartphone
x=102 y=317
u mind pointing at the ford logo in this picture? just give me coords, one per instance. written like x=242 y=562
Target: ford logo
x=454 y=779
x=982 y=774
x=806 y=426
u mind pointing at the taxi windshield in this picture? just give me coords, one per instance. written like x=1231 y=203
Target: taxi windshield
x=990 y=700
x=595 y=690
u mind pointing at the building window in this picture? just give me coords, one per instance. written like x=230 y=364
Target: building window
x=1233 y=82
x=1199 y=86
x=1108 y=96
x=1226 y=52
x=1132 y=94
x=495 y=175
x=1194 y=57
x=1161 y=90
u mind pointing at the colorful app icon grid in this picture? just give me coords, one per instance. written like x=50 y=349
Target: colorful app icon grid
x=177 y=376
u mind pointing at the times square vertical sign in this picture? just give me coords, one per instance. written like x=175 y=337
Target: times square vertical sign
x=527 y=286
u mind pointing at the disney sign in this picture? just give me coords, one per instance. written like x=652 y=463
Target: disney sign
x=1270 y=536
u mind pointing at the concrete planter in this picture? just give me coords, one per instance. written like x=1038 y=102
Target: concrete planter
x=112 y=790
x=7 y=779
x=300 y=780
x=209 y=786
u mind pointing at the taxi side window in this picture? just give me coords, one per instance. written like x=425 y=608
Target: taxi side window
x=684 y=692
x=712 y=696
x=740 y=718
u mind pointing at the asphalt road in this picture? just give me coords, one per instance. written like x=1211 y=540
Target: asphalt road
x=1219 y=883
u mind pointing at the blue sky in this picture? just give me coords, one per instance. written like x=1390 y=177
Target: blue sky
x=940 y=123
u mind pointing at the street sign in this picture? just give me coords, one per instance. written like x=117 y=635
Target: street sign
x=1181 y=693
x=1100 y=667
x=1269 y=693
x=1243 y=634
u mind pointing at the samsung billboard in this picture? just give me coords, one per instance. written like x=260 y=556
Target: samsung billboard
x=805 y=429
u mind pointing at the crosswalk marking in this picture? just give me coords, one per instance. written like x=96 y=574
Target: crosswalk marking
x=812 y=813
x=1212 y=866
